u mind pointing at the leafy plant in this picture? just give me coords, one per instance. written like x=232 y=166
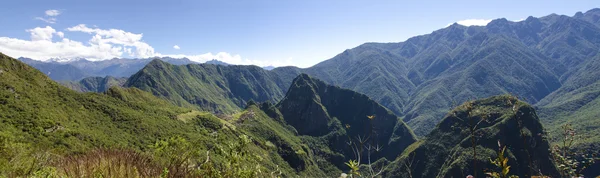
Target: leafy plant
x=354 y=167
x=502 y=163
x=571 y=163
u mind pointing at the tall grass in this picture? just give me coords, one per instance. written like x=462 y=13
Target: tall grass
x=109 y=163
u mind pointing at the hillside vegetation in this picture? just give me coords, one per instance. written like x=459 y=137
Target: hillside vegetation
x=49 y=129
x=420 y=79
x=335 y=117
x=477 y=129
x=216 y=88
x=317 y=130
x=94 y=84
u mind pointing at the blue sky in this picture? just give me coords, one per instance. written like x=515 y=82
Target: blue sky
x=300 y=33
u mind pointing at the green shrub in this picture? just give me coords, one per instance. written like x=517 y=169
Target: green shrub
x=208 y=122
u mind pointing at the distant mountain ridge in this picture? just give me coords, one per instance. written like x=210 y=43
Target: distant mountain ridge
x=389 y=93
x=421 y=78
x=217 y=62
x=77 y=69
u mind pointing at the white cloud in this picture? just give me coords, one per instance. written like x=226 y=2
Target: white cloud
x=44 y=49
x=41 y=34
x=50 y=16
x=41 y=47
x=522 y=19
x=47 y=20
x=231 y=59
x=176 y=47
x=52 y=12
x=478 y=22
x=104 y=44
x=472 y=22
x=117 y=37
x=60 y=34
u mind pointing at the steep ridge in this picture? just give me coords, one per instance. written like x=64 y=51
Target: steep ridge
x=448 y=150
x=332 y=115
x=498 y=66
x=215 y=88
x=428 y=73
x=368 y=69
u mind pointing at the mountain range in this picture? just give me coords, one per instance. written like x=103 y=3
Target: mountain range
x=402 y=96
x=307 y=133
x=78 y=69
x=422 y=78
x=40 y=114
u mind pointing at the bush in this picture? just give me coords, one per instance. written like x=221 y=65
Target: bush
x=19 y=159
x=209 y=122
x=177 y=155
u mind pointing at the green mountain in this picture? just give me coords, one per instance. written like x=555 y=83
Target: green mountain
x=95 y=84
x=419 y=79
x=35 y=108
x=215 y=88
x=576 y=103
x=44 y=126
x=493 y=123
x=40 y=117
x=325 y=114
x=423 y=77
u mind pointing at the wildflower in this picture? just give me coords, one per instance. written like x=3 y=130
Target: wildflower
x=470 y=176
x=371 y=117
x=347 y=126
